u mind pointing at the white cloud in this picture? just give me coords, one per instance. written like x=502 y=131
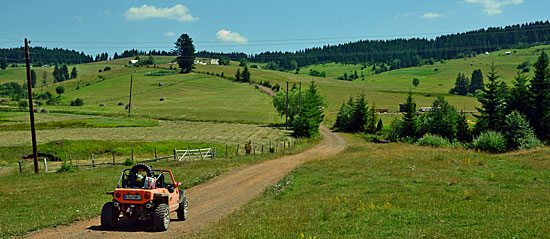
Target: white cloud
x=78 y=18
x=228 y=36
x=170 y=34
x=494 y=7
x=177 y=12
x=431 y=15
x=408 y=14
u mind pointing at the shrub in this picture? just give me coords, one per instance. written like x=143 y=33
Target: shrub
x=129 y=162
x=518 y=133
x=77 y=102
x=433 y=140
x=490 y=141
x=65 y=167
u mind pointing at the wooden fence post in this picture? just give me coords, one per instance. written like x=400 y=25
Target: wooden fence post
x=70 y=159
x=262 y=149
x=45 y=165
x=276 y=146
x=174 y=153
x=20 y=168
x=284 y=146
x=214 y=155
x=113 y=153
x=155 y=152
x=226 y=152
x=93 y=161
x=200 y=152
x=132 y=154
x=237 y=153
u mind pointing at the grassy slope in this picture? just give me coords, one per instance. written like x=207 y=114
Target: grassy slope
x=402 y=191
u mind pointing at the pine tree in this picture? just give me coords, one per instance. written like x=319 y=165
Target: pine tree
x=519 y=95
x=33 y=78
x=64 y=72
x=359 y=116
x=185 y=50
x=477 y=81
x=56 y=75
x=3 y=64
x=380 y=125
x=245 y=75
x=343 y=119
x=306 y=124
x=539 y=94
x=409 y=123
x=461 y=85
x=74 y=73
x=463 y=132
x=492 y=105
x=372 y=120
x=238 y=75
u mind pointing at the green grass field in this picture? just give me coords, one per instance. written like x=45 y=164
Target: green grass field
x=30 y=202
x=402 y=191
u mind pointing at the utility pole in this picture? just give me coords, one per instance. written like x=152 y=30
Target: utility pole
x=130 y=103
x=31 y=107
x=286 y=112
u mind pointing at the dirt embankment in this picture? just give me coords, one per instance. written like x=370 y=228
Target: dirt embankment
x=208 y=202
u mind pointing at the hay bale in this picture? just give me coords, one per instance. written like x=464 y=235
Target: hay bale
x=45 y=111
x=162 y=99
x=161 y=83
x=101 y=105
x=120 y=103
x=36 y=110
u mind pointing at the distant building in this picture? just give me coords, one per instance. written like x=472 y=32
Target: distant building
x=214 y=61
x=508 y=53
x=486 y=53
x=425 y=109
x=196 y=62
x=133 y=61
x=381 y=110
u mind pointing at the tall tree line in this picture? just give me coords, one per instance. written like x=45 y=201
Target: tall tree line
x=43 y=55
x=412 y=52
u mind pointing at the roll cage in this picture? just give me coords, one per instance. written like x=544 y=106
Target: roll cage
x=163 y=178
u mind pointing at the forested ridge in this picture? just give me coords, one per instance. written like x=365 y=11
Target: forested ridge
x=414 y=51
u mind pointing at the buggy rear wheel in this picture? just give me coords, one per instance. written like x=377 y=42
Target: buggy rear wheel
x=161 y=219
x=109 y=216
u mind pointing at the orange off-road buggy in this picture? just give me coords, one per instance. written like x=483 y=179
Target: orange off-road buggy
x=148 y=194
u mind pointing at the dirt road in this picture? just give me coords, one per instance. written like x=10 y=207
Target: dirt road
x=208 y=202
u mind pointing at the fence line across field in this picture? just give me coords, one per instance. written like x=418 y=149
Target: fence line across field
x=180 y=155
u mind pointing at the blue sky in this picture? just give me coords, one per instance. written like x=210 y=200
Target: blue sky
x=249 y=26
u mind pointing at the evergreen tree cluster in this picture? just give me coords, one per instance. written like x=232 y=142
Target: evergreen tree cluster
x=42 y=55
x=243 y=76
x=61 y=74
x=465 y=86
x=355 y=116
x=509 y=118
